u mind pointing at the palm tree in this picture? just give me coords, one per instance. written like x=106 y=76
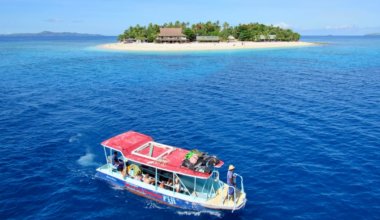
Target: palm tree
x=225 y=26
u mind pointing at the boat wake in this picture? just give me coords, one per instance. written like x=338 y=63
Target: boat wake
x=117 y=187
x=199 y=213
x=87 y=160
x=153 y=205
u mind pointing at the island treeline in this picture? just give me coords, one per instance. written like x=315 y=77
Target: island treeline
x=242 y=32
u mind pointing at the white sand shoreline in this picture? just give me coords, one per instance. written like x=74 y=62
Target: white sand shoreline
x=156 y=47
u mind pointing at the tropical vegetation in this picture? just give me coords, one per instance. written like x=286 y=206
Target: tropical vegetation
x=242 y=32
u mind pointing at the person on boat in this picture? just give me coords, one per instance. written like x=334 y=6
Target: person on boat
x=162 y=184
x=230 y=182
x=176 y=185
x=124 y=172
x=147 y=179
x=169 y=184
x=116 y=162
x=138 y=177
x=115 y=159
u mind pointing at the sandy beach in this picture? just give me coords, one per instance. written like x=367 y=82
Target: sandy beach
x=201 y=46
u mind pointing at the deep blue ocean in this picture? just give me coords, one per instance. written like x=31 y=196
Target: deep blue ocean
x=302 y=125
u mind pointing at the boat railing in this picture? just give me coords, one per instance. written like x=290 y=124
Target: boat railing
x=241 y=182
x=215 y=175
x=209 y=186
x=235 y=199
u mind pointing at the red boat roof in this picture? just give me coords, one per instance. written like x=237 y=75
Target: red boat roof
x=127 y=141
x=130 y=144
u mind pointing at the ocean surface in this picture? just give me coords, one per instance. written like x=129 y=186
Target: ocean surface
x=302 y=125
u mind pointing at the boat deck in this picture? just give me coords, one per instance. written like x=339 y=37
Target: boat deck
x=218 y=200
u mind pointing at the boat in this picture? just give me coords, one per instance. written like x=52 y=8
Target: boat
x=173 y=176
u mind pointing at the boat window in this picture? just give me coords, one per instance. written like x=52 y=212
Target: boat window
x=165 y=179
x=208 y=187
x=188 y=182
x=169 y=181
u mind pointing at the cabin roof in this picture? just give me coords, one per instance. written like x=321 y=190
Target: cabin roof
x=127 y=141
x=131 y=144
x=171 y=32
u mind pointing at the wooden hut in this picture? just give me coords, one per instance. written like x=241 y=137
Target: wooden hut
x=171 y=35
x=231 y=38
x=262 y=37
x=272 y=37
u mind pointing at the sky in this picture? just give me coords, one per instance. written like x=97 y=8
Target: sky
x=111 y=17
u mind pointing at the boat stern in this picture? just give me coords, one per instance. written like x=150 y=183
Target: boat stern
x=224 y=201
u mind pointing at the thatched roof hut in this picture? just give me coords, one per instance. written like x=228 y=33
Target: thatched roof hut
x=231 y=38
x=171 y=32
x=171 y=35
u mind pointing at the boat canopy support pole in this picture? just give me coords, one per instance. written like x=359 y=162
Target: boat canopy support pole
x=195 y=187
x=156 y=179
x=173 y=183
x=105 y=154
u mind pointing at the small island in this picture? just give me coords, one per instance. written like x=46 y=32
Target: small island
x=181 y=36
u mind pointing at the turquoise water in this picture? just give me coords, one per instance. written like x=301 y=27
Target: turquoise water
x=301 y=125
